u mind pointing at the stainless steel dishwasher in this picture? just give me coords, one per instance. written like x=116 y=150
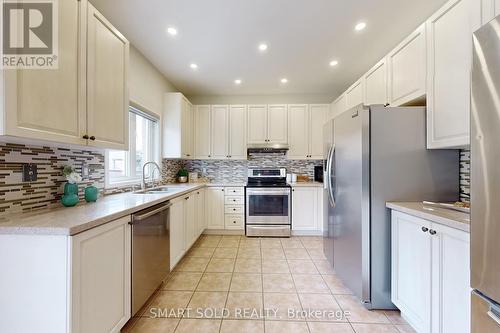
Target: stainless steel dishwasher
x=150 y=252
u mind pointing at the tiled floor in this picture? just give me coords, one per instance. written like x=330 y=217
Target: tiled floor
x=238 y=284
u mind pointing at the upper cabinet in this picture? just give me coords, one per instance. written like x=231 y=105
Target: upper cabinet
x=489 y=10
x=407 y=68
x=354 y=95
x=267 y=124
x=237 y=136
x=220 y=131
x=376 y=84
x=202 y=132
x=305 y=125
x=449 y=59
x=76 y=102
x=338 y=106
x=178 y=127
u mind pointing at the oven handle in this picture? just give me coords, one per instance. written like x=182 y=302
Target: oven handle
x=268 y=192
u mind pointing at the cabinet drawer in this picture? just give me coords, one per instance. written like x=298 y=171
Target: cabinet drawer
x=234 y=191
x=234 y=209
x=234 y=200
x=234 y=221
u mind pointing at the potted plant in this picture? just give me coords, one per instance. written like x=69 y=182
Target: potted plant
x=182 y=175
x=70 y=197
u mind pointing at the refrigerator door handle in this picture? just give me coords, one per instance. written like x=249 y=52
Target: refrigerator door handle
x=329 y=164
x=493 y=316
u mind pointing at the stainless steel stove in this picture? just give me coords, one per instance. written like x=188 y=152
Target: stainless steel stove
x=268 y=203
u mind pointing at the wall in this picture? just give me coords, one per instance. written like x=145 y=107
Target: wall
x=262 y=99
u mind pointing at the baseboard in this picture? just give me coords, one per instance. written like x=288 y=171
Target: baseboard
x=223 y=232
x=307 y=233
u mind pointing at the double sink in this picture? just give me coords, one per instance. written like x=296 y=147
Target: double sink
x=162 y=189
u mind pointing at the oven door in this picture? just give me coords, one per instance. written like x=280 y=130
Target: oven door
x=268 y=206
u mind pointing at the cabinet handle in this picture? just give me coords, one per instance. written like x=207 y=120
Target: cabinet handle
x=92 y=138
x=432 y=232
x=424 y=229
x=86 y=137
x=187 y=198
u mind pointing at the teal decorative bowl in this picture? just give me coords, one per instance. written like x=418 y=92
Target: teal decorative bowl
x=91 y=194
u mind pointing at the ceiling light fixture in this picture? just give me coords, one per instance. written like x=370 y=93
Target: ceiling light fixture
x=334 y=63
x=360 y=26
x=263 y=47
x=172 y=31
x=284 y=80
x=193 y=66
x=237 y=81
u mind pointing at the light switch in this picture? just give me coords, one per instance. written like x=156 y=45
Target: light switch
x=30 y=172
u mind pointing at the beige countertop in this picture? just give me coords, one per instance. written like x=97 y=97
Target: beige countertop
x=306 y=184
x=447 y=217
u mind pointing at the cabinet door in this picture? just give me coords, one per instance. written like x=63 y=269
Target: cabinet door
x=298 y=125
x=200 y=218
x=317 y=116
x=407 y=68
x=304 y=209
x=187 y=129
x=219 y=131
x=202 y=132
x=339 y=106
x=190 y=219
x=177 y=232
x=411 y=269
x=376 y=84
x=238 y=132
x=354 y=95
x=277 y=124
x=107 y=87
x=489 y=10
x=449 y=59
x=101 y=278
x=215 y=207
x=50 y=104
x=450 y=280
x=257 y=124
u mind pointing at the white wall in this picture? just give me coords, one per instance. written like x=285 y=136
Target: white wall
x=147 y=85
x=262 y=99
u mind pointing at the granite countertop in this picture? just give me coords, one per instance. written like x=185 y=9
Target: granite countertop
x=447 y=217
x=306 y=184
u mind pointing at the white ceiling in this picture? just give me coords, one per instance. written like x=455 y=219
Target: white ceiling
x=222 y=36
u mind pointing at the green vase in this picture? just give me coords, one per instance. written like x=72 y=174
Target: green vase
x=70 y=188
x=69 y=200
x=91 y=194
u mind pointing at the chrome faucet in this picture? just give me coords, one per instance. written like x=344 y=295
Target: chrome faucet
x=143 y=184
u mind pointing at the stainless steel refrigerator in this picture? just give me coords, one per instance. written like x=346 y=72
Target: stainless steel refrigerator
x=485 y=179
x=374 y=155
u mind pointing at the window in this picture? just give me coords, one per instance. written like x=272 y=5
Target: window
x=125 y=167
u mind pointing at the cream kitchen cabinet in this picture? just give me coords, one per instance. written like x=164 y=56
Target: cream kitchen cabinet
x=449 y=60
x=338 y=106
x=307 y=215
x=200 y=217
x=220 y=131
x=237 y=138
x=177 y=232
x=190 y=219
x=77 y=102
x=489 y=10
x=305 y=126
x=407 y=69
x=203 y=133
x=355 y=94
x=430 y=274
x=215 y=207
x=375 y=84
x=178 y=127
x=267 y=124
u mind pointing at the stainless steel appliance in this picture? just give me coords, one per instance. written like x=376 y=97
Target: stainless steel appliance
x=267 y=203
x=485 y=179
x=150 y=252
x=374 y=155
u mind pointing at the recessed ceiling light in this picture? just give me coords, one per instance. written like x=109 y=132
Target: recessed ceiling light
x=284 y=80
x=193 y=66
x=360 y=26
x=172 y=31
x=262 y=47
x=237 y=81
x=334 y=63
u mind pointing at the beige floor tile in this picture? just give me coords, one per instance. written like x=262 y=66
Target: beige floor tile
x=249 y=252
x=209 y=304
x=243 y=282
x=270 y=243
x=358 y=313
x=323 y=266
x=154 y=325
x=278 y=283
x=273 y=254
x=286 y=327
x=183 y=281
x=192 y=264
x=294 y=253
x=275 y=266
x=310 y=238
x=245 y=265
x=171 y=302
x=374 y=328
x=208 y=241
x=249 y=242
x=229 y=242
x=204 y=252
x=302 y=267
x=309 y=283
x=336 y=286
x=214 y=282
x=395 y=317
x=291 y=243
x=316 y=254
x=225 y=253
x=312 y=244
x=234 y=237
x=199 y=326
x=220 y=265
x=282 y=306
x=317 y=327
x=405 y=329
x=322 y=307
x=247 y=306
x=242 y=326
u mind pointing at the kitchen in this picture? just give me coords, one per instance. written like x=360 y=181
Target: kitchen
x=204 y=167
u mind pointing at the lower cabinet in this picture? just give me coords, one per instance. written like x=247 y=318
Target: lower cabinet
x=177 y=232
x=200 y=217
x=215 y=207
x=307 y=210
x=430 y=274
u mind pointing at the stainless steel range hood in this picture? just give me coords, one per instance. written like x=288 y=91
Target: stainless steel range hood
x=267 y=150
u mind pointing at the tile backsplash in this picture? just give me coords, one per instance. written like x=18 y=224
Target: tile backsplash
x=17 y=196
x=465 y=175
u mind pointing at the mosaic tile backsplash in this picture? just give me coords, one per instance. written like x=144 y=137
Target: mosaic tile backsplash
x=465 y=175
x=17 y=196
